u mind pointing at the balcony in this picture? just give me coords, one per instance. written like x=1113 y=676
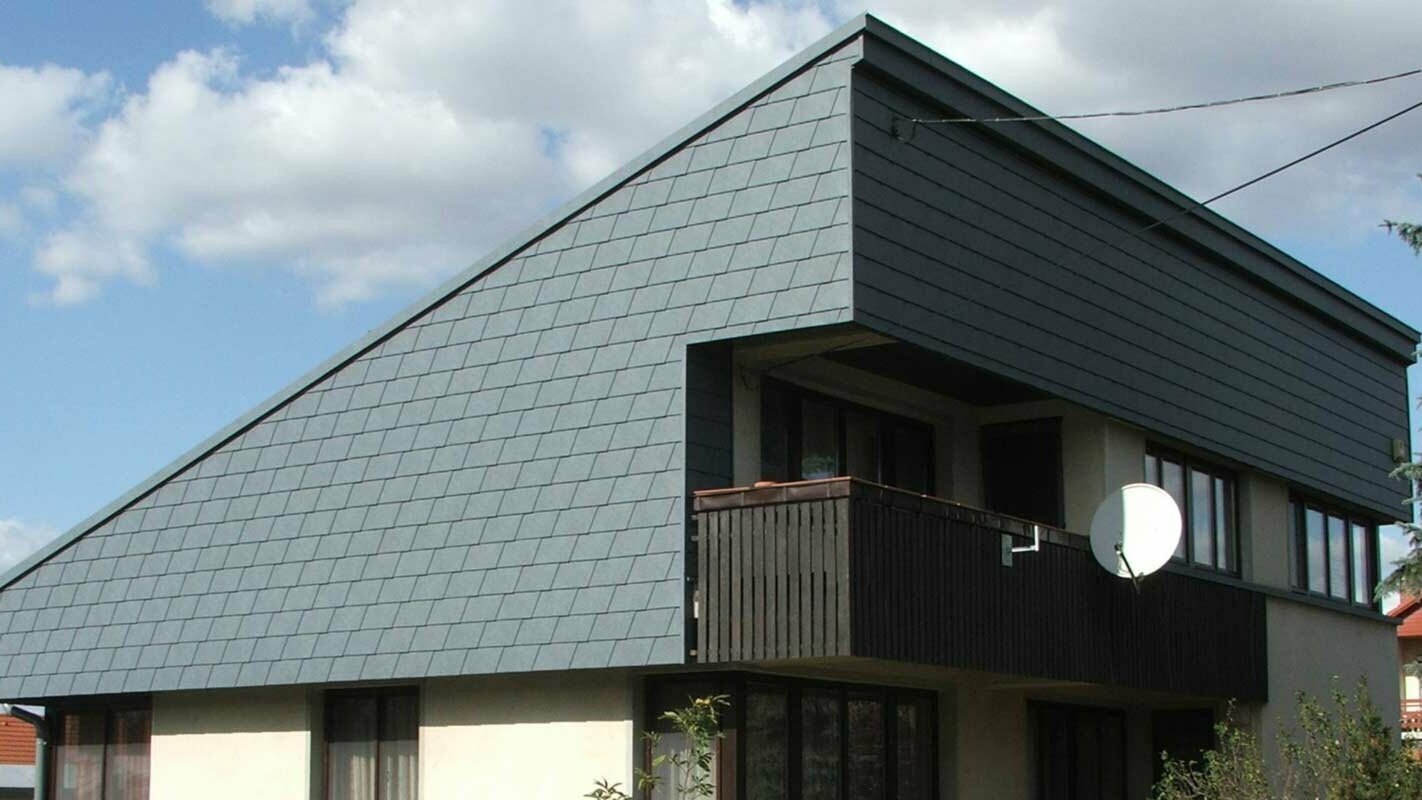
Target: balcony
x=1412 y=717
x=842 y=567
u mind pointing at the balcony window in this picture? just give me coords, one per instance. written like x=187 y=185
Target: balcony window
x=101 y=754
x=1332 y=554
x=1205 y=495
x=810 y=436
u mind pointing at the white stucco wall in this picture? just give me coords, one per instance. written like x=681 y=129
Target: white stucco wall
x=528 y=736
x=231 y=745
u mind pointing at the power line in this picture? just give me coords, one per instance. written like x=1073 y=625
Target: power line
x=1275 y=171
x=1327 y=87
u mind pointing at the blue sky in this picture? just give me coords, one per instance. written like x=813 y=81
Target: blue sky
x=205 y=200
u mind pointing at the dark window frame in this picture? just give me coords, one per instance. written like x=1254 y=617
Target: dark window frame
x=1190 y=464
x=792 y=395
x=377 y=693
x=731 y=747
x=54 y=717
x=1300 y=503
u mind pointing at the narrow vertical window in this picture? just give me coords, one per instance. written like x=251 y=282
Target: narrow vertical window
x=1317 y=551
x=819 y=748
x=866 y=761
x=767 y=735
x=1362 y=565
x=914 y=745
x=372 y=745
x=1337 y=558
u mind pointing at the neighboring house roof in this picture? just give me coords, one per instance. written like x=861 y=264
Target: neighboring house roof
x=1406 y=610
x=17 y=741
x=495 y=480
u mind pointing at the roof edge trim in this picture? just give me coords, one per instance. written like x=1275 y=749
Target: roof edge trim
x=479 y=269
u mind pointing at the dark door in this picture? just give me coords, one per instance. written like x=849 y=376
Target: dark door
x=1022 y=469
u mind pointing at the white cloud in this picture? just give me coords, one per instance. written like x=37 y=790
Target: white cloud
x=19 y=539
x=245 y=12
x=419 y=139
x=422 y=132
x=42 y=116
x=1100 y=55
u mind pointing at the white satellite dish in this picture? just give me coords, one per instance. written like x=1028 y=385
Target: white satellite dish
x=1135 y=530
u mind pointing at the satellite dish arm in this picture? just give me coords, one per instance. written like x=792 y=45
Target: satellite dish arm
x=1135 y=579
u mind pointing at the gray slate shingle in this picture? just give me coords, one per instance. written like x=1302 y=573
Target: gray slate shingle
x=497 y=486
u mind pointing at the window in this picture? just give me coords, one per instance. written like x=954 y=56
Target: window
x=1331 y=553
x=809 y=740
x=809 y=436
x=1081 y=752
x=372 y=744
x=1205 y=495
x=101 y=754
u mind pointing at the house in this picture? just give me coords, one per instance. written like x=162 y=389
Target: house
x=479 y=552
x=1409 y=657
x=17 y=759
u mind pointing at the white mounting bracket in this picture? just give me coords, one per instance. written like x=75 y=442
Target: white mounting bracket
x=1008 y=548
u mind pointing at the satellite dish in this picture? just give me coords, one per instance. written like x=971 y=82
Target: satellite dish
x=1135 y=530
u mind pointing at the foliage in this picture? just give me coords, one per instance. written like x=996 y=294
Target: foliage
x=1233 y=770
x=1406 y=577
x=691 y=767
x=1341 y=752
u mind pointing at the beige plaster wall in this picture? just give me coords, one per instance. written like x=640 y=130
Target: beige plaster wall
x=231 y=745
x=1308 y=646
x=994 y=758
x=1263 y=524
x=543 y=735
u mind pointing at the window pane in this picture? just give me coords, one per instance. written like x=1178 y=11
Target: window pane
x=126 y=762
x=1172 y=480
x=79 y=757
x=350 y=747
x=915 y=755
x=399 y=747
x=1317 y=566
x=1337 y=558
x=1152 y=469
x=1202 y=518
x=819 y=736
x=1362 y=574
x=774 y=434
x=861 y=445
x=1224 y=524
x=866 y=748
x=913 y=458
x=819 y=440
x=1296 y=549
x=767 y=731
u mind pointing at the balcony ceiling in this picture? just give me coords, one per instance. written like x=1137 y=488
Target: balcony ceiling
x=913 y=365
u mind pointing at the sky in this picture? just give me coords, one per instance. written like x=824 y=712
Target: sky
x=200 y=201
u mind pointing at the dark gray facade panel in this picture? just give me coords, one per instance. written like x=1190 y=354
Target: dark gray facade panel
x=496 y=486
x=967 y=244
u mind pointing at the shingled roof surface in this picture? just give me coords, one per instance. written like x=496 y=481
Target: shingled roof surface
x=495 y=485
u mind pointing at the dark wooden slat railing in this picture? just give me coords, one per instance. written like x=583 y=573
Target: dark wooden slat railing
x=1412 y=715
x=847 y=568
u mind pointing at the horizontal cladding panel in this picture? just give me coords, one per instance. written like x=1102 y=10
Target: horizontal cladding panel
x=974 y=249
x=1131 y=189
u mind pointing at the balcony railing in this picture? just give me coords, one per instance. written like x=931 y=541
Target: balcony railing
x=842 y=567
x=1412 y=715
